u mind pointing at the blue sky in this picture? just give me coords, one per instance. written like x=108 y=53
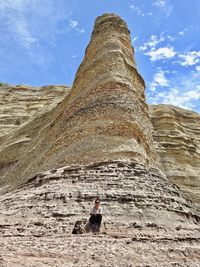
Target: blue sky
x=43 y=42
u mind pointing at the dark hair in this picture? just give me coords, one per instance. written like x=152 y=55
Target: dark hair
x=97 y=200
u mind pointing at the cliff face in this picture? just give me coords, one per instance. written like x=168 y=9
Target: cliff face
x=24 y=112
x=177 y=138
x=19 y=104
x=96 y=142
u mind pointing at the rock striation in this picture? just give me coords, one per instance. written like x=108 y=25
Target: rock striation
x=97 y=141
x=24 y=112
x=177 y=138
x=19 y=104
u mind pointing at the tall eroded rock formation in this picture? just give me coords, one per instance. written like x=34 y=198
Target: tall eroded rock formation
x=107 y=109
x=97 y=142
x=104 y=116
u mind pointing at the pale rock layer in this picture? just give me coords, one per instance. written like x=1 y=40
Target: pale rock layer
x=19 y=104
x=177 y=138
x=24 y=112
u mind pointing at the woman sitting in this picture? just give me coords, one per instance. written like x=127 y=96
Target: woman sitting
x=96 y=214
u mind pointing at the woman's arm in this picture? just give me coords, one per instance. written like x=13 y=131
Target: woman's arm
x=92 y=211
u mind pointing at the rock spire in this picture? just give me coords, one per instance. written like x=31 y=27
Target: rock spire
x=96 y=142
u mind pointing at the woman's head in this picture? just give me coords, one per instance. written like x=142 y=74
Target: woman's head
x=97 y=202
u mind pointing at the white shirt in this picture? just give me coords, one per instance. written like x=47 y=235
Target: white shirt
x=96 y=211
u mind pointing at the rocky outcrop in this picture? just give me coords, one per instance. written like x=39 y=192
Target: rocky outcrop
x=96 y=142
x=177 y=138
x=24 y=112
x=146 y=220
x=19 y=104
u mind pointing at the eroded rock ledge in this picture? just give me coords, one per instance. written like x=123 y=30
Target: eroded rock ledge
x=143 y=215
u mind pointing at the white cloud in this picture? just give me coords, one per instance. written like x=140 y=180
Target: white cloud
x=181 y=33
x=198 y=68
x=24 y=35
x=81 y=30
x=136 y=9
x=164 y=6
x=11 y=4
x=73 y=23
x=159 y=80
x=13 y=19
x=29 y=23
x=190 y=58
x=177 y=98
x=161 y=53
x=152 y=43
x=171 y=38
x=159 y=3
x=182 y=91
x=134 y=39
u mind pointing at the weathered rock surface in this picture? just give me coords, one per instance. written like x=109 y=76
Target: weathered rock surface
x=24 y=113
x=19 y=104
x=96 y=142
x=177 y=138
x=146 y=220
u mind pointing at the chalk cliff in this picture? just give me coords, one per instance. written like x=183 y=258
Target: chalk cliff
x=97 y=141
x=177 y=138
x=19 y=104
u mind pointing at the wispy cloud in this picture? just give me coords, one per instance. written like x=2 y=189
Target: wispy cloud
x=159 y=80
x=23 y=34
x=152 y=42
x=182 y=91
x=177 y=98
x=136 y=10
x=159 y=3
x=161 y=53
x=189 y=58
x=73 y=24
x=12 y=17
x=164 y=6
x=29 y=24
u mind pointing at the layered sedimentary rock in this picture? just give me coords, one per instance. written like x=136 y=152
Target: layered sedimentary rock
x=24 y=112
x=103 y=117
x=138 y=228
x=177 y=139
x=19 y=104
x=97 y=142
